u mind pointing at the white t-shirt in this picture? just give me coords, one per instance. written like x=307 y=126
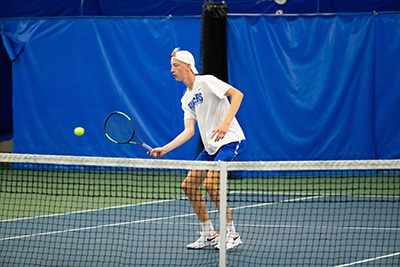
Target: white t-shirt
x=207 y=104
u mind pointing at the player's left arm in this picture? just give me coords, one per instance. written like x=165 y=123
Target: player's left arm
x=236 y=97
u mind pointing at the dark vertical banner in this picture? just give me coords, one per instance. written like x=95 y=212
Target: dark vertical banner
x=213 y=40
x=213 y=54
x=6 y=124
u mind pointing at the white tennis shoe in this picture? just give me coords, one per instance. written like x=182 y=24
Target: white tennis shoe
x=232 y=240
x=205 y=240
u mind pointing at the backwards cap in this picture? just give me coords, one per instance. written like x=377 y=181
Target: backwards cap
x=186 y=57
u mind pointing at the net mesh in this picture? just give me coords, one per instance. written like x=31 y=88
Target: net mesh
x=59 y=210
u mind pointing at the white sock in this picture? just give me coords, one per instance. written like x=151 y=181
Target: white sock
x=207 y=226
x=230 y=227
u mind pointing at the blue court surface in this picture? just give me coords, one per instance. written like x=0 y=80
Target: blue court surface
x=288 y=230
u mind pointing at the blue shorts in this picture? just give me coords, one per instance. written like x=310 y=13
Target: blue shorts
x=227 y=152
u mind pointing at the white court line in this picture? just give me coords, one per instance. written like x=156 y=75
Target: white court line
x=85 y=211
x=168 y=200
x=188 y=215
x=368 y=260
x=273 y=193
x=96 y=227
x=274 y=203
x=321 y=227
x=140 y=221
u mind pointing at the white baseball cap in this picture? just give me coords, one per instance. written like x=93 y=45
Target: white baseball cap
x=186 y=57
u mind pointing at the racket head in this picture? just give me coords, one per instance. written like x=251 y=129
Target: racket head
x=119 y=128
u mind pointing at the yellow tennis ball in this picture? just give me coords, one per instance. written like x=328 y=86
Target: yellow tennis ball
x=79 y=131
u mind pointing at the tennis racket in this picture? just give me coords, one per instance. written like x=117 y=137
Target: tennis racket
x=119 y=129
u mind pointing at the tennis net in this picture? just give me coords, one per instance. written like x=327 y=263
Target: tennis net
x=74 y=211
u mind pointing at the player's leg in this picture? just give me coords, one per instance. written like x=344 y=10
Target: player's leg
x=228 y=152
x=211 y=184
x=191 y=186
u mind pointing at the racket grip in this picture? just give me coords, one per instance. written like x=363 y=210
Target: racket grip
x=147 y=146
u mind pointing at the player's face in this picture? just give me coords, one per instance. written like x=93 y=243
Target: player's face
x=179 y=69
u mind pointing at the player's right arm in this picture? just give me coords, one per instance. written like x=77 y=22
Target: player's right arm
x=180 y=139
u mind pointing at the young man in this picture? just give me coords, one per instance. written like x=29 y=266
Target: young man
x=206 y=102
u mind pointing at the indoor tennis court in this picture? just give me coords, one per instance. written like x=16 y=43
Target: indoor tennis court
x=127 y=125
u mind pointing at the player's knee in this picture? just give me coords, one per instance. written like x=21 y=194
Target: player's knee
x=187 y=184
x=211 y=185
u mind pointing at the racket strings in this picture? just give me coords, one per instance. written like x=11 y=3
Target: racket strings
x=119 y=128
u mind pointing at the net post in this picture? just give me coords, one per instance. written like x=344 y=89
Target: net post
x=223 y=181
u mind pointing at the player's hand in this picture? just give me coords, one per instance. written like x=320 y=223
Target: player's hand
x=220 y=132
x=157 y=152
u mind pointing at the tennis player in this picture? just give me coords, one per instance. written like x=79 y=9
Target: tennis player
x=206 y=101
